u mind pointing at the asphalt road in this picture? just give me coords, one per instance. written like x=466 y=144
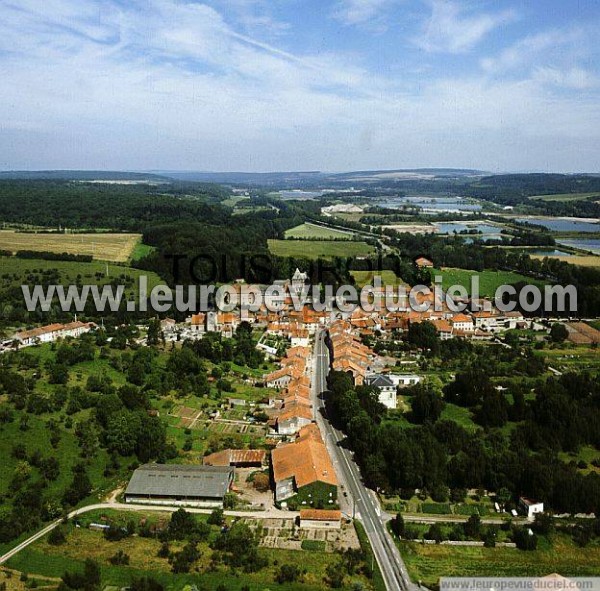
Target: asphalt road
x=364 y=501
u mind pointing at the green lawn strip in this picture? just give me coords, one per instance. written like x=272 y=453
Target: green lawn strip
x=377 y=577
x=313 y=249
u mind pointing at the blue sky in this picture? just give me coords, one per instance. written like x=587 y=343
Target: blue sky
x=262 y=85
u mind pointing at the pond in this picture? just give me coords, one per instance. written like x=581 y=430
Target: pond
x=563 y=224
x=591 y=245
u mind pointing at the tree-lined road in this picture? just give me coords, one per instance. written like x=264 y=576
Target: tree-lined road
x=367 y=506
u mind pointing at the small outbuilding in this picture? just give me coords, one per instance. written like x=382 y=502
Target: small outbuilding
x=320 y=519
x=530 y=508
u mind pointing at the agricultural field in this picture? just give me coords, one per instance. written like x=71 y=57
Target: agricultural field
x=309 y=231
x=112 y=247
x=565 y=197
x=581 y=260
x=46 y=560
x=315 y=249
x=489 y=281
x=556 y=554
x=363 y=278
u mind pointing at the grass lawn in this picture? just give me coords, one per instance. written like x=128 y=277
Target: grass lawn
x=363 y=278
x=460 y=415
x=314 y=249
x=102 y=246
x=427 y=563
x=313 y=232
x=489 y=281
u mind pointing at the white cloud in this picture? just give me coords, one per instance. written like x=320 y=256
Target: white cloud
x=451 y=29
x=532 y=48
x=358 y=12
x=175 y=86
x=574 y=78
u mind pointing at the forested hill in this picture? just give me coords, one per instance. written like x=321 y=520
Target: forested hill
x=120 y=207
x=83 y=175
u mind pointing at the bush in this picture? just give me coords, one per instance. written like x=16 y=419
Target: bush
x=57 y=536
x=287 y=573
x=119 y=559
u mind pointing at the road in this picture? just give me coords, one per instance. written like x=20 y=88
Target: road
x=364 y=501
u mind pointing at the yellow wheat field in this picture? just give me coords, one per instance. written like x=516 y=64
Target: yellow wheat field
x=115 y=248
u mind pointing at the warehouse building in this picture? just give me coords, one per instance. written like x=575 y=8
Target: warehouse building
x=176 y=484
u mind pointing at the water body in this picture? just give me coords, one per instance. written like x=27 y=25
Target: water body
x=488 y=232
x=431 y=204
x=563 y=224
x=591 y=245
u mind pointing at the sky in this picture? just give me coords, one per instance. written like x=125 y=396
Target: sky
x=280 y=85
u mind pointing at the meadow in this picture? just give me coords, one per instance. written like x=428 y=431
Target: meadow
x=111 y=247
x=16 y=271
x=314 y=249
x=309 y=231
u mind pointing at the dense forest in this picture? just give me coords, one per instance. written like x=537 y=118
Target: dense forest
x=441 y=455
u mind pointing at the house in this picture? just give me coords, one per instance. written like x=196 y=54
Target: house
x=443 y=327
x=299 y=280
x=462 y=323
x=240 y=458
x=280 y=378
x=303 y=472
x=293 y=417
x=423 y=262
x=404 y=380
x=178 y=484
x=387 y=389
x=52 y=332
x=320 y=519
x=530 y=508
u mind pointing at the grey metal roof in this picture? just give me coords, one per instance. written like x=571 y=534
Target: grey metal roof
x=178 y=480
x=379 y=381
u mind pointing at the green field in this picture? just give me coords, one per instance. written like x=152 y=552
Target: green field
x=489 y=281
x=427 y=563
x=141 y=250
x=309 y=231
x=314 y=249
x=565 y=197
x=363 y=278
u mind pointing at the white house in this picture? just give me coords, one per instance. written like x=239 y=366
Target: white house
x=387 y=389
x=530 y=508
x=404 y=380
